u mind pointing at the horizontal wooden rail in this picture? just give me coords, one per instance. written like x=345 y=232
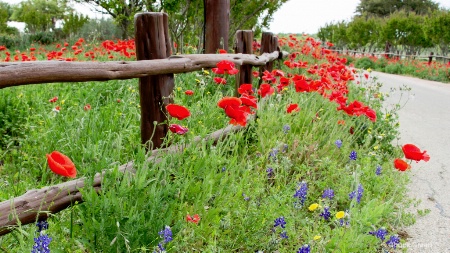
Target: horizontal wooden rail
x=38 y=204
x=21 y=73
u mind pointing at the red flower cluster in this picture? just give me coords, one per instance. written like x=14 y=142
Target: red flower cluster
x=234 y=110
x=177 y=129
x=194 y=219
x=225 y=67
x=178 y=111
x=411 y=152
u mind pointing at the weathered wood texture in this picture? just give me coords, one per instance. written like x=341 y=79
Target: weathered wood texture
x=269 y=43
x=217 y=25
x=39 y=204
x=152 y=42
x=21 y=73
x=244 y=41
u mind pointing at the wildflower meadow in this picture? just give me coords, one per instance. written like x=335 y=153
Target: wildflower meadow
x=312 y=169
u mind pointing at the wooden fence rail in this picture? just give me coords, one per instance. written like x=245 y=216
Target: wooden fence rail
x=22 y=73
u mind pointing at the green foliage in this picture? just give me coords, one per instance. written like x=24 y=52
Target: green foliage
x=335 y=33
x=41 y=37
x=383 y=8
x=365 y=63
x=437 y=28
x=40 y=15
x=364 y=32
x=73 y=23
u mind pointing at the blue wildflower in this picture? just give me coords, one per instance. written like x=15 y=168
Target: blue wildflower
x=378 y=171
x=285 y=147
x=224 y=169
x=246 y=198
x=300 y=194
x=393 y=241
x=304 y=249
x=42 y=225
x=358 y=194
x=380 y=233
x=326 y=213
x=280 y=222
x=166 y=234
x=328 y=193
x=286 y=128
x=353 y=155
x=273 y=154
x=270 y=173
x=284 y=235
x=338 y=143
x=41 y=244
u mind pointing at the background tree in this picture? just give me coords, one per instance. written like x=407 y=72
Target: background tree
x=5 y=14
x=383 y=8
x=335 y=33
x=364 y=32
x=437 y=29
x=73 y=22
x=40 y=15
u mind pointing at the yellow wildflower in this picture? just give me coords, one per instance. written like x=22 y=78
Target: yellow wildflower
x=317 y=237
x=340 y=214
x=313 y=207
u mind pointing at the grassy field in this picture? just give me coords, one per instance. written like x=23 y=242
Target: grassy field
x=315 y=179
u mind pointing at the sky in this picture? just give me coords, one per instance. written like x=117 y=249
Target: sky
x=295 y=16
x=298 y=16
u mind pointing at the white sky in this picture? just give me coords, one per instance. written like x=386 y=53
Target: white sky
x=295 y=16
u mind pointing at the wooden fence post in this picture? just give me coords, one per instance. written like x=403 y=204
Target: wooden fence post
x=153 y=42
x=217 y=25
x=269 y=44
x=244 y=45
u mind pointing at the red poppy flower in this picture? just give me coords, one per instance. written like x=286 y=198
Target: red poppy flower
x=265 y=89
x=61 y=164
x=222 y=51
x=366 y=75
x=412 y=152
x=220 y=80
x=225 y=67
x=401 y=165
x=268 y=77
x=255 y=73
x=177 y=129
x=87 y=107
x=249 y=101
x=245 y=88
x=178 y=111
x=238 y=116
x=229 y=101
x=189 y=92
x=53 y=100
x=194 y=219
x=292 y=108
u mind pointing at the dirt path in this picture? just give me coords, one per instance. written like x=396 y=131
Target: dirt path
x=425 y=122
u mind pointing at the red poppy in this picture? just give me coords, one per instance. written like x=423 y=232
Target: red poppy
x=265 y=89
x=255 y=73
x=412 y=152
x=189 y=92
x=177 y=129
x=249 y=101
x=61 y=164
x=178 y=111
x=53 y=100
x=222 y=51
x=341 y=122
x=229 y=101
x=194 y=219
x=366 y=75
x=225 y=67
x=238 y=116
x=87 y=107
x=245 y=88
x=401 y=165
x=292 y=108
x=220 y=80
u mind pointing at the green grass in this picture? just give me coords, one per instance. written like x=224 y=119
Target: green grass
x=226 y=184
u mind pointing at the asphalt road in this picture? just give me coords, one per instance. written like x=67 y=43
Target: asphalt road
x=425 y=122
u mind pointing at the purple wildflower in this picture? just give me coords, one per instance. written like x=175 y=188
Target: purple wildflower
x=304 y=249
x=328 y=193
x=378 y=171
x=270 y=173
x=286 y=128
x=280 y=222
x=393 y=241
x=301 y=193
x=338 y=143
x=42 y=225
x=273 y=154
x=41 y=244
x=358 y=194
x=353 y=155
x=380 y=233
x=284 y=235
x=166 y=234
x=326 y=213
x=246 y=198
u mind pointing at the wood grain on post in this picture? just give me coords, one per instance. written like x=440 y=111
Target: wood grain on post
x=269 y=44
x=244 y=41
x=152 y=42
x=217 y=25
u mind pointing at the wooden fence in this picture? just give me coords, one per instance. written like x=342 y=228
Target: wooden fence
x=395 y=55
x=155 y=68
